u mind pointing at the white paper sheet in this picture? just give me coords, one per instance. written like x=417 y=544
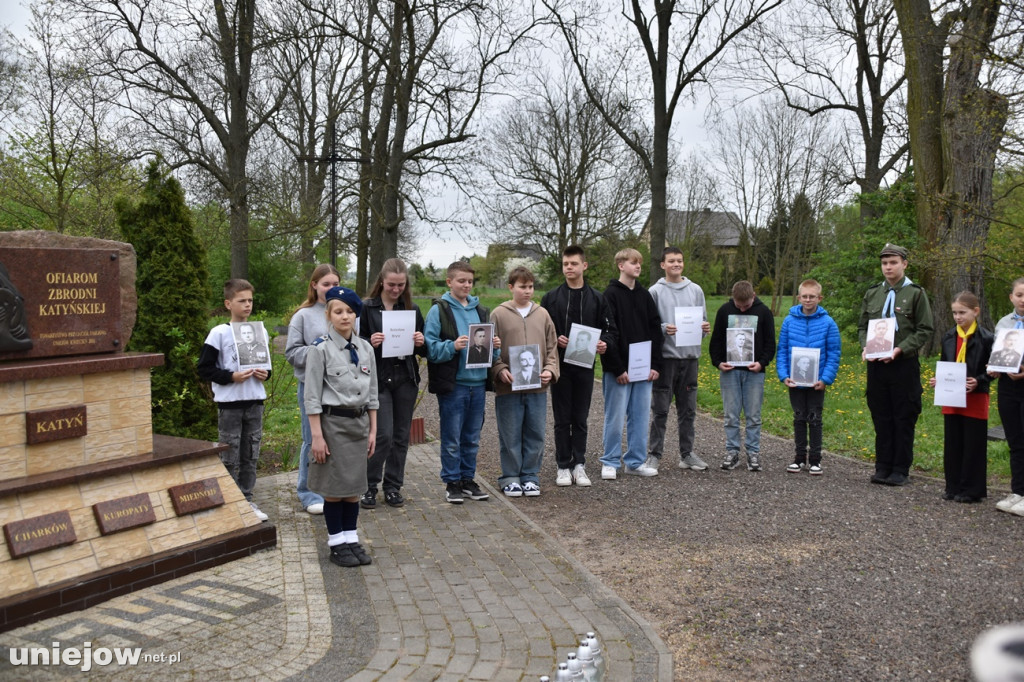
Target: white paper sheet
x=639 y=361
x=951 y=384
x=399 y=327
x=688 y=325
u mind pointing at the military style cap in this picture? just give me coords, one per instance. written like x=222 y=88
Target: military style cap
x=893 y=250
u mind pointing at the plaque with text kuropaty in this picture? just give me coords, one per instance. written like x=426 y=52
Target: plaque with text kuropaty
x=188 y=498
x=39 y=533
x=63 y=301
x=42 y=426
x=124 y=513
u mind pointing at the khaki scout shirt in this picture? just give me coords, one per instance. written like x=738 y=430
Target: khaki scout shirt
x=913 y=315
x=332 y=380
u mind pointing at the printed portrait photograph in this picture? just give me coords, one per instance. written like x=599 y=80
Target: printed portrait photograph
x=251 y=345
x=1006 y=351
x=582 y=347
x=480 y=351
x=881 y=333
x=739 y=346
x=804 y=366
x=525 y=365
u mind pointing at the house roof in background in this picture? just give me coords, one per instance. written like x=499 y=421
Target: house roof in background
x=723 y=226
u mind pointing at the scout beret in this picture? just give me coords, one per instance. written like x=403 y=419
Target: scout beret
x=346 y=296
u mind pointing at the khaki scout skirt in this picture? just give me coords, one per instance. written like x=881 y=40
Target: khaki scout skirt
x=343 y=474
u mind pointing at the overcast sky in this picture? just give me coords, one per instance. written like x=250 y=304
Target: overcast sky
x=447 y=244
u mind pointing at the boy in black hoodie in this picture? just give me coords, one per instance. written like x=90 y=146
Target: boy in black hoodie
x=634 y=317
x=742 y=384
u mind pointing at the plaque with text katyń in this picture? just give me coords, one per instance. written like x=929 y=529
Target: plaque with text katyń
x=42 y=426
x=39 y=533
x=71 y=300
x=196 y=496
x=124 y=513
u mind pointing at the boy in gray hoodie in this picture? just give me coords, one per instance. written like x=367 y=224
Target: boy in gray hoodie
x=679 y=375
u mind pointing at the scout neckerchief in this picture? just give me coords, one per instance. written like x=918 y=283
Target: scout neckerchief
x=352 y=352
x=890 y=303
x=961 y=355
x=1018 y=321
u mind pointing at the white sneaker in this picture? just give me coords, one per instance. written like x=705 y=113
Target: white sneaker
x=1017 y=509
x=579 y=475
x=563 y=478
x=256 y=510
x=652 y=462
x=608 y=473
x=642 y=470
x=314 y=509
x=692 y=461
x=1006 y=504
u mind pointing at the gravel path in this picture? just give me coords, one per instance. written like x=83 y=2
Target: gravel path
x=778 y=576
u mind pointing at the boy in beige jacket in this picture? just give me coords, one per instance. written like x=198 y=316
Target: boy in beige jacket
x=528 y=364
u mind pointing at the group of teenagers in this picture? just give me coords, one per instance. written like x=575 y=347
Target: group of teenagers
x=357 y=406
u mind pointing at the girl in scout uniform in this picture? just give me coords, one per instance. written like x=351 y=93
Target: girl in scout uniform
x=341 y=402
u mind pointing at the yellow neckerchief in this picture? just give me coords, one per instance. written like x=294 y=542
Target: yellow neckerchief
x=961 y=355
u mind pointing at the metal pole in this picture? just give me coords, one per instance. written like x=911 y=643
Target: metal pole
x=334 y=195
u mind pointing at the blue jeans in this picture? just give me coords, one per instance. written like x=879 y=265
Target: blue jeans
x=521 y=421
x=462 y=416
x=630 y=403
x=306 y=496
x=742 y=390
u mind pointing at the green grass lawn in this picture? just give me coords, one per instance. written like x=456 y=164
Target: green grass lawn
x=847 y=422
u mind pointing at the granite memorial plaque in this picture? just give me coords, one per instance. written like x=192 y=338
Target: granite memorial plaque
x=124 y=513
x=42 y=426
x=196 y=496
x=70 y=300
x=39 y=533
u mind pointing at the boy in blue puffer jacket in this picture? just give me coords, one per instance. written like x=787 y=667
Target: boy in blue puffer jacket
x=808 y=326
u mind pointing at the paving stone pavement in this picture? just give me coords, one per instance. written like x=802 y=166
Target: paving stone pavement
x=456 y=592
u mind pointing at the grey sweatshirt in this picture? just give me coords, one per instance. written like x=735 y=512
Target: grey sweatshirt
x=671 y=295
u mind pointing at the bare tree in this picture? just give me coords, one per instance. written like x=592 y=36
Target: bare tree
x=321 y=78
x=62 y=160
x=840 y=57
x=778 y=173
x=426 y=68
x=554 y=172
x=194 y=77
x=681 y=44
x=10 y=73
x=961 y=61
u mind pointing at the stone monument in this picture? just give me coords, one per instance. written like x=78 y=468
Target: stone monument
x=92 y=503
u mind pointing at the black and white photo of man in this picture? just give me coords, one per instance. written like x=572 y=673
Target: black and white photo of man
x=252 y=346
x=805 y=369
x=1009 y=353
x=580 y=353
x=739 y=346
x=881 y=339
x=525 y=372
x=479 y=353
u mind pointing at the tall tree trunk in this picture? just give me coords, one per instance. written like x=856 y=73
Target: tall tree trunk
x=955 y=129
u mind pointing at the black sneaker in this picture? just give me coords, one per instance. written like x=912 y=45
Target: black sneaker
x=369 y=500
x=393 y=498
x=897 y=479
x=360 y=554
x=471 y=490
x=341 y=555
x=453 y=492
